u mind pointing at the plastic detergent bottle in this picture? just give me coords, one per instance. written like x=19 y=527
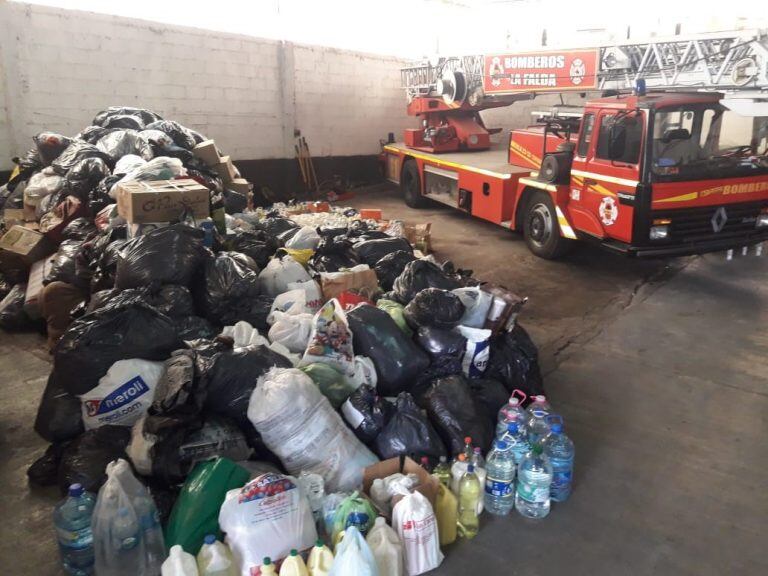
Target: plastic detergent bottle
x=442 y=471
x=215 y=558
x=179 y=563
x=447 y=512
x=267 y=568
x=458 y=469
x=500 y=481
x=320 y=559
x=534 y=477
x=512 y=411
x=294 y=565
x=387 y=549
x=469 y=494
x=72 y=519
x=560 y=450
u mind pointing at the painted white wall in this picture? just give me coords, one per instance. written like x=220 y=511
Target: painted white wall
x=60 y=67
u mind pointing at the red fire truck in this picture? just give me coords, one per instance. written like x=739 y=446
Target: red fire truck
x=680 y=169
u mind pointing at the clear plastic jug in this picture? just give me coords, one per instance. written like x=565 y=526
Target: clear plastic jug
x=179 y=563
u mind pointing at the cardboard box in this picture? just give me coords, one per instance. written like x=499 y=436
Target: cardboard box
x=13 y=217
x=22 y=247
x=363 y=282
x=226 y=170
x=37 y=274
x=207 y=152
x=504 y=309
x=420 y=236
x=240 y=185
x=428 y=484
x=162 y=201
x=370 y=214
x=317 y=207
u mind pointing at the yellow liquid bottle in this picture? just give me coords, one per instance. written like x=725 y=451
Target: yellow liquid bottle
x=267 y=568
x=447 y=512
x=469 y=495
x=294 y=565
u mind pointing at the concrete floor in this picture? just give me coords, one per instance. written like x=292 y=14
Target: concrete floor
x=660 y=369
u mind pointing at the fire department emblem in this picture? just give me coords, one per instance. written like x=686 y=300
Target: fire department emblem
x=577 y=71
x=496 y=71
x=609 y=210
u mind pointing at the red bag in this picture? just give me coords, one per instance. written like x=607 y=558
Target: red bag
x=349 y=300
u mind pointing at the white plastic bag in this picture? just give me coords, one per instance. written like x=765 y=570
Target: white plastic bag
x=160 y=168
x=127 y=537
x=363 y=372
x=414 y=521
x=478 y=352
x=306 y=238
x=301 y=427
x=279 y=272
x=386 y=548
x=42 y=184
x=128 y=163
x=290 y=302
x=477 y=303
x=267 y=517
x=123 y=395
x=313 y=297
x=245 y=335
x=291 y=330
x=331 y=339
x=353 y=556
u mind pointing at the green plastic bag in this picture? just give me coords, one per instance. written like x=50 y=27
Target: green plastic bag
x=196 y=512
x=332 y=383
x=395 y=310
x=354 y=510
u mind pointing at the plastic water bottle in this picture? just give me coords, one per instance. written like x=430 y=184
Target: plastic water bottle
x=126 y=541
x=468 y=448
x=479 y=463
x=534 y=476
x=500 y=479
x=512 y=411
x=469 y=495
x=538 y=426
x=151 y=532
x=458 y=469
x=72 y=518
x=539 y=402
x=516 y=438
x=442 y=471
x=560 y=451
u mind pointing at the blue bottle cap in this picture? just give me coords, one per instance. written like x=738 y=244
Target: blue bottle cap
x=471 y=468
x=76 y=490
x=512 y=427
x=557 y=428
x=501 y=445
x=209 y=538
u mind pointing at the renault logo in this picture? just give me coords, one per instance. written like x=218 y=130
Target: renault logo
x=719 y=219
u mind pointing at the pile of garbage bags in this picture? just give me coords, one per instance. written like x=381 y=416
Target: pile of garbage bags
x=287 y=350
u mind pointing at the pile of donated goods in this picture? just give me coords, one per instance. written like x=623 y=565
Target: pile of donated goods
x=246 y=390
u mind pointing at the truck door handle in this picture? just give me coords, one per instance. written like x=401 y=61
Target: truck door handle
x=589 y=181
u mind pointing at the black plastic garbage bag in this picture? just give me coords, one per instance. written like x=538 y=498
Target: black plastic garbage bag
x=283 y=237
x=332 y=254
x=120 y=143
x=231 y=376
x=171 y=300
x=63 y=267
x=417 y=276
x=145 y=116
x=391 y=266
x=231 y=283
x=357 y=228
x=434 y=307
x=234 y=202
x=258 y=245
x=45 y=470
x=160 y=142
x=74 y=153
x=59 y=416
x=408 y=432
x=371 y=235
x=456 y=413
x=193 y=328
x=491 y=394
x=331 y=230
x=371 y=251
x=104 y=264
x=366 y=413
x=440 y=343
x=12 y=315
x=170 y=255
x=92 y=134
x=84 y=460
x=514 y=361
x=275 y=226
x=124 y=122
x=79 y=229
x=182 y=137
x=84 y=176
x=397 y=358
x=94 y=342
x=50 y=145
x=98 y=197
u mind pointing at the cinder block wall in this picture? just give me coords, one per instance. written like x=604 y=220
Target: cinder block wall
x=59 y=67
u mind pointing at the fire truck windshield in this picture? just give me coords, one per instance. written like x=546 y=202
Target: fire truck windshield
x=695 y=142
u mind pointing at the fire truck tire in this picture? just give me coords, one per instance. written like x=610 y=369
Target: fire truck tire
x=410 y=184
x=541 y=229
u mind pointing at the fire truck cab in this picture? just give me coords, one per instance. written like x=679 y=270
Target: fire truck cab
x=655 y=174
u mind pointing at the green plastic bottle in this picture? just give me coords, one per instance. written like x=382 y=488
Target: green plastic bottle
x=469 y=496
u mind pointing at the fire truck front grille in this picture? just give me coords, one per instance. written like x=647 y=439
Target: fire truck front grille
x=712 y=222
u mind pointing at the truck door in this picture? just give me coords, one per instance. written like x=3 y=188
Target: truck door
x=608 y=171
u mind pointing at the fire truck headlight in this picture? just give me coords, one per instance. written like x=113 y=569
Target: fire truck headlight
x=762 y=220
x=659 y=232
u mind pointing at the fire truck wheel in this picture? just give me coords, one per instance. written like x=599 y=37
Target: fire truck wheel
x=541 y=230
x=410 y=184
